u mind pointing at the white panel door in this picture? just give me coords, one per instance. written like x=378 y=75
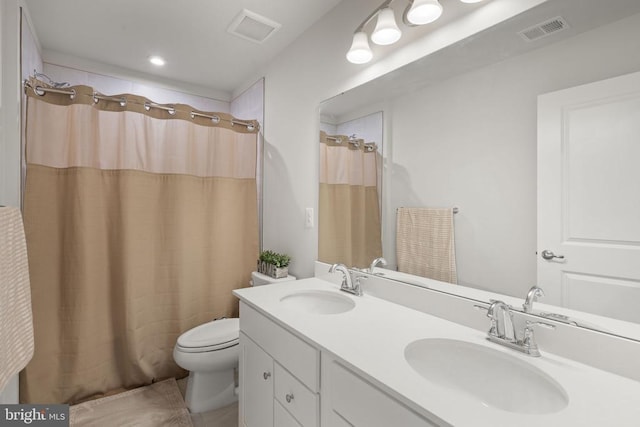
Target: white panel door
x=589 y=197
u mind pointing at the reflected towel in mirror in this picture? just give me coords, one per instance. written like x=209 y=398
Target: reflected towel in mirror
x=425 y=243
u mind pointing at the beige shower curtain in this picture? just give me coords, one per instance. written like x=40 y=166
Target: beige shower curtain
x=349 y=210
x=139 y=224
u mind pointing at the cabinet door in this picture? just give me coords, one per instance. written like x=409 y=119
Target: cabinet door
x=256 y=385
x=283 y=418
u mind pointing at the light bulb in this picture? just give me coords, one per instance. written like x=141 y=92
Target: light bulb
x=424 y=11
x=360 y=52
x=157 y=60
x=386 y=31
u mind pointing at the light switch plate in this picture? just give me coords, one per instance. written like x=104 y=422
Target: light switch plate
x=308 y=218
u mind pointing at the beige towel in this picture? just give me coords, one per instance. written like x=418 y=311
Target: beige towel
x=16 y=323
x=425 y=243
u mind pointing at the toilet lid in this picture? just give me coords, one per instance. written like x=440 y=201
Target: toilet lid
x=210 y=336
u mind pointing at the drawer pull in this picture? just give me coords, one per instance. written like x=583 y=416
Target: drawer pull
x=289 y=397
x=266 y=375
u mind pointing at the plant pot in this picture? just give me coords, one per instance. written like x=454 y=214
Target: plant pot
x=272 y=271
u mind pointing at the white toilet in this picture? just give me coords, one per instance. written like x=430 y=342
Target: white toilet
x=210 y=353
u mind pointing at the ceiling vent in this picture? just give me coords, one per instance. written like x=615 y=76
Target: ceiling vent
x=544 y=29
x=253 y=27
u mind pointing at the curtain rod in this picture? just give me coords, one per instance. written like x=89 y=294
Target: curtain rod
x=216 y=119
x=97 y=97
x=41 y=90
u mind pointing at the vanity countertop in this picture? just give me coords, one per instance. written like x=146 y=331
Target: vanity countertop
x=371 y=339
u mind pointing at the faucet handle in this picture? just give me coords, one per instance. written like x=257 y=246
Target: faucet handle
x=541 y=324
x=356 y=285
x=528 y=340
x=493 y=330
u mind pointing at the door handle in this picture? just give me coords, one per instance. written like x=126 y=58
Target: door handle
x=549 y=255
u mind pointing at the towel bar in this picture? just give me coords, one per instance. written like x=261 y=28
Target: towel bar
x=455 y=210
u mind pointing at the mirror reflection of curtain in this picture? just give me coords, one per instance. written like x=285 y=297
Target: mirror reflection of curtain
x=139 y=224
x=349 y=211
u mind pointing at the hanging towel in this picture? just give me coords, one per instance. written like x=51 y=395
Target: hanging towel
x=16 y=323
x=425 y=243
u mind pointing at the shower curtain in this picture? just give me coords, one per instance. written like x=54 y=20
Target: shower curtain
x=140 y=220
x=349 y=229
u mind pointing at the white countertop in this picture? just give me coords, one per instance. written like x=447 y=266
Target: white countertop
x=372 y=337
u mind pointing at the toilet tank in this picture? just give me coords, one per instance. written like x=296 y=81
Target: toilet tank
x=258 y=279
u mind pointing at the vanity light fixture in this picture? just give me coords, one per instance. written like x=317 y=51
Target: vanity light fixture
x=386 y=32
x=360 y=52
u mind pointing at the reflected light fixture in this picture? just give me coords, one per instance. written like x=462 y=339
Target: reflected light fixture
x=386 y=31
x=424 y=12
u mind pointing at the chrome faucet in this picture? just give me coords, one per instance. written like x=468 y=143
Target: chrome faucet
x=501 y=321
x=503 y=332
x=347 y=283
x=378 y=261
x=532 y=296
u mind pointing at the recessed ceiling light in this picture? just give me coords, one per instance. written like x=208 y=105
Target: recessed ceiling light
x=157 y=60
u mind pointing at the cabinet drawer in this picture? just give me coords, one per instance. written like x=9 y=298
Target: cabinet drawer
x=282 y=418
x=296 y=355
x=301 y=402
x=364 y=405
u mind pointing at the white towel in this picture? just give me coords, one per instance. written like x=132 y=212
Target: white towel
x=425 y=243
x=16 y=322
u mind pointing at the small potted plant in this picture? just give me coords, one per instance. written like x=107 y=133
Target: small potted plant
x=274 y=264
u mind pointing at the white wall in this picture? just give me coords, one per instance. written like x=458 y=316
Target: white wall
x=10 y=116
x=10 y=103
x=110 y=85
x=368 y=128
x=475 y=148
x=313 y=69
x=249 y=105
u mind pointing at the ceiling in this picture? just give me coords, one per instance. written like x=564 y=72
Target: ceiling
x=190 y=34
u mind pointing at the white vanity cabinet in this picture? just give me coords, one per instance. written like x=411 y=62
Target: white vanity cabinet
x=279 y=375
x=350 y=400
x=256 y=384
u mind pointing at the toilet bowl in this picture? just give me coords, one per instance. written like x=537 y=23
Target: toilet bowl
x=210 y=353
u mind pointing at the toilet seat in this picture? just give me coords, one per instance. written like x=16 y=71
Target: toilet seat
x=212 y=336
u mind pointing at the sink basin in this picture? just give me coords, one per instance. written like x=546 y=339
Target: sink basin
x=496 y=379
x=318 y=302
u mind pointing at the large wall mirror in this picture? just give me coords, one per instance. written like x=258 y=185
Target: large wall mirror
x=463 y=127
